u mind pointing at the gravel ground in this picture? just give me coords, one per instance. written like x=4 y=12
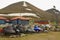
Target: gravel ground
x=36 y=36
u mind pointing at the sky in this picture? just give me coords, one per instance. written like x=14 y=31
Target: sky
x=41 y=4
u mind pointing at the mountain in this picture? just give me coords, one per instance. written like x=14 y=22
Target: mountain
x=55 y=13
x=25 y=7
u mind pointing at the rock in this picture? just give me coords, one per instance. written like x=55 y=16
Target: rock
x=22 y=35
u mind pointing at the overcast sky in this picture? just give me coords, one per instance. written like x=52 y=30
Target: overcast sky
x=42 y=4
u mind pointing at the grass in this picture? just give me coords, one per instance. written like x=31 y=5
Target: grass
x=36 y=36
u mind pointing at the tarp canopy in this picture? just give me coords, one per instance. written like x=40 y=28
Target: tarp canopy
x=42 y=22
x=21 y=18
x=2 y=18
